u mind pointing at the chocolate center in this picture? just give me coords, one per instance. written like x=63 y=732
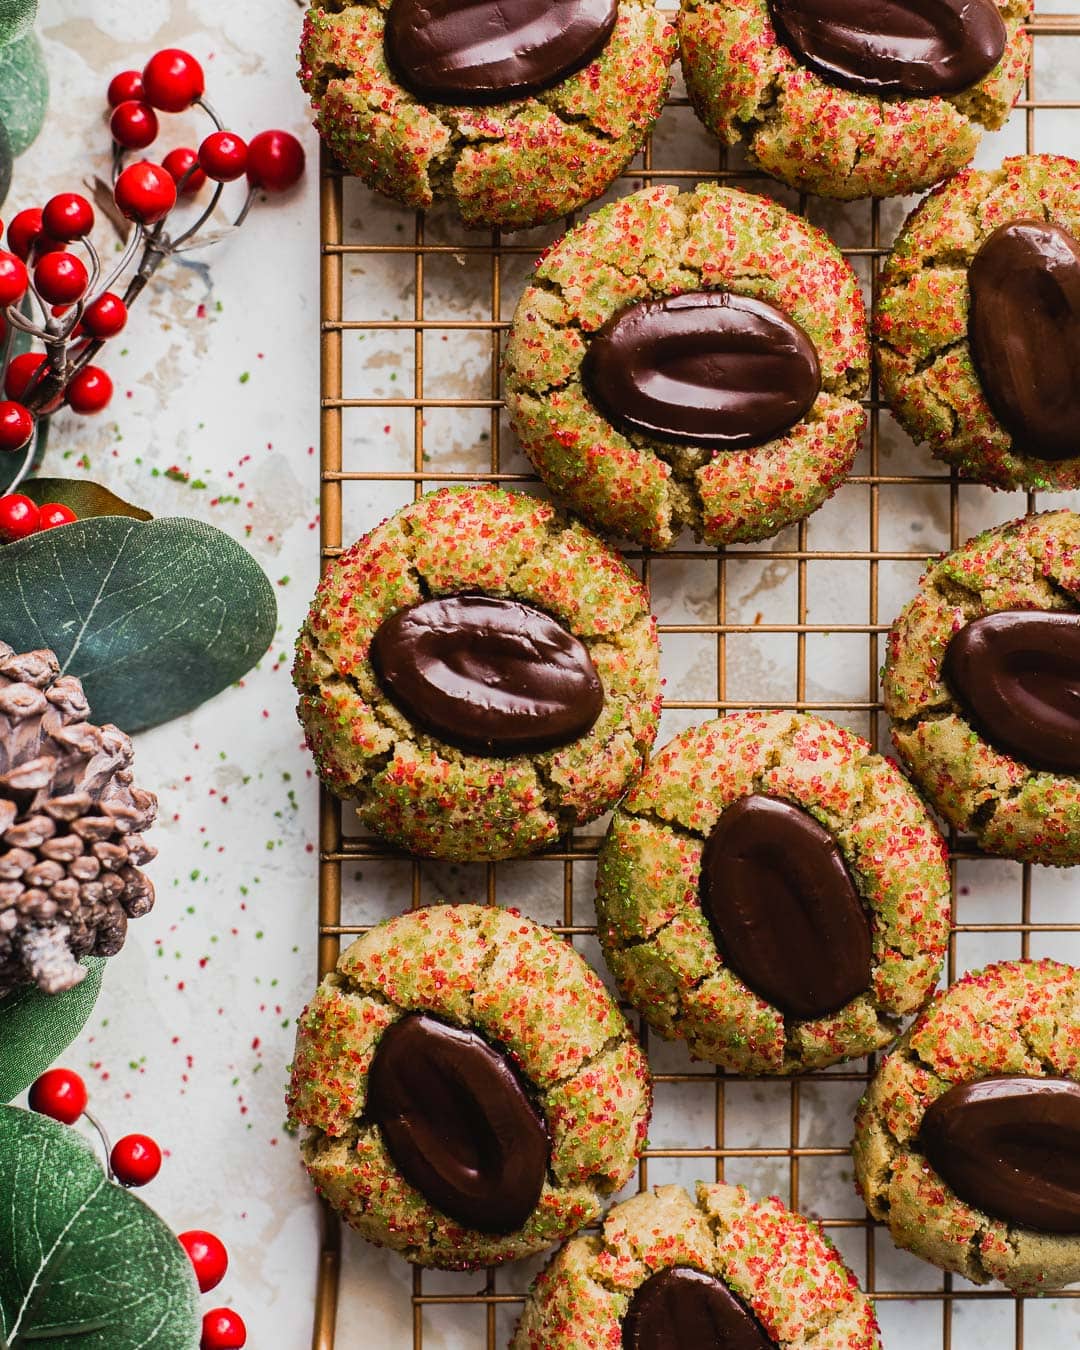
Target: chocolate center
x=783 y=910
x=458 y=1123
x=909 y=48
x=491 y=51
x=1017 y=673
x=1024 y=330
x=489 y=675
x=680 y=1308
x=705 y=368
x=1010 y=1146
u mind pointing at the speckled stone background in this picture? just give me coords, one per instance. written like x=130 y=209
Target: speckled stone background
x=216 y=416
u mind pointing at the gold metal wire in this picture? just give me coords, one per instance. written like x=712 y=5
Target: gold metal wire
x=336 y=850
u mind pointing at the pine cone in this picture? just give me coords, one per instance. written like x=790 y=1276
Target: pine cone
x=70 y=828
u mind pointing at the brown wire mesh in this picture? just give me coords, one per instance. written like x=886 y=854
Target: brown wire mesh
x=925 y=1302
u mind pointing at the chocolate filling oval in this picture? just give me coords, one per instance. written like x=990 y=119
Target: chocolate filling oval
x=1010 y=1146
x=489 y=675
x=705 y=368
x=458 y=1123
x=680 y=1307
x=1017 y=673
x=1024 y=330
x=909 y=48
x=783 y=909
x=491 y=51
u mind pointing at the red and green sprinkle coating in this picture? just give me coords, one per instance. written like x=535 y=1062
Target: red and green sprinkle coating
x=661 y=242
x=515 y=164
x=1011 y=809
x=779 y=1263
x=928 y=375
x=524 y=989
x=657 y=940
x=817 y=137
x=1017 y=1017
x=419 y=792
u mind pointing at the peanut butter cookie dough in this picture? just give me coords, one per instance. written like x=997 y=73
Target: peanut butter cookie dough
x=774 y=893
x=667 y=1271
x=612 y=367
x=523 y=127
x=479 y=675
x=979 y=680
x=472 y=1092
x=829 y=106
x=966 y=1142
x=978 y=323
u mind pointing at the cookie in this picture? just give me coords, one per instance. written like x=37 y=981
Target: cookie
x=967 y=1138
x=668 y=1271
x=978 y=323
x=479 y=675
x=526 y=126
x=611 y=367
x=829 y=107
x=471 y=1091
x=980 y=676
x=774 y=893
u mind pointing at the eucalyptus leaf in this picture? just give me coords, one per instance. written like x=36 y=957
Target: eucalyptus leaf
x=36 y=1028
x=86 y=499
x=6 y=160
x=16 y=19
x=24 y=91
x=82 y=1261
x=153 y=616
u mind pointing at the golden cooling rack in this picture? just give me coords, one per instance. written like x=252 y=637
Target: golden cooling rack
x=929 y=1300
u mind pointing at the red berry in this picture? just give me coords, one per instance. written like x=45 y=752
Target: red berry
x=173 y=80
x=59 y=1093
x=223 y=1329
x=60 y=278
x=23 y=231
x=136 y=1159
x=105 y=316
x=21 y=370
x=275 y=161
x=52 y=514
x=13 y=279
x=134 y=124
x=224 y=156
x=184 y=161
x=90 y=390
x=16 y=426
x=68 y=216
x=145 y=193
x=208 y=1255
x=128 y=84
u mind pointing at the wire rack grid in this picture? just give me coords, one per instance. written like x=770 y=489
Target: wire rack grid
x=361 y=482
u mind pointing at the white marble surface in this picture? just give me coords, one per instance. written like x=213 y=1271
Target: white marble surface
x=193 y=1032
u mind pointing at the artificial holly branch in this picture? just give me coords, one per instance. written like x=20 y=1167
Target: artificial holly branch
x=72 y=307
x=135 y=1161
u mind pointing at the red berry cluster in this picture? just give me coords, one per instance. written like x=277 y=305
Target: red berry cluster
x=135 y=1160
x=59 y=297
x=20 y=517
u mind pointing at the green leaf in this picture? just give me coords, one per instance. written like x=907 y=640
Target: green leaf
x=24 y=91
x=6 y=160
x=153 y=616
x=16 y=19
x=86 y=1265
x=85 y=498
x=36 y=1028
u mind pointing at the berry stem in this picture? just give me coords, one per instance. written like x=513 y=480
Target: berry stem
x=207 y=213
x=249 y=202
x=105 y=1144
